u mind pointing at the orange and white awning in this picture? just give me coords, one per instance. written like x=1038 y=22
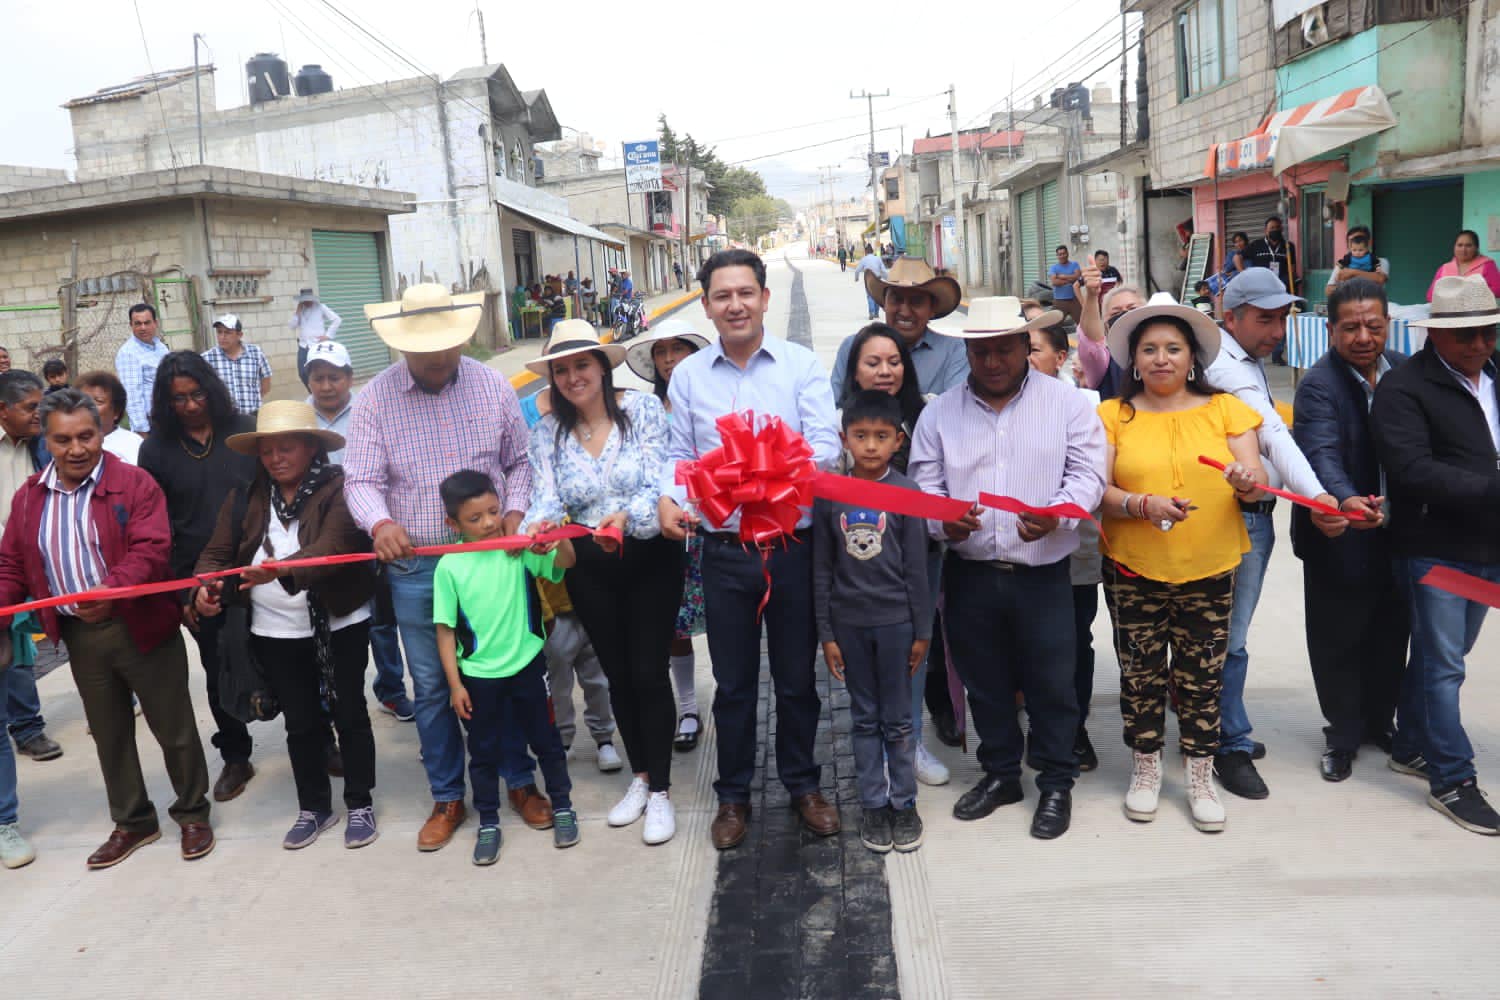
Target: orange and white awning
x=1298 y=134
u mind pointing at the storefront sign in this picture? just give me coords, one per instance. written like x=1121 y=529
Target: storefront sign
x=643 y=166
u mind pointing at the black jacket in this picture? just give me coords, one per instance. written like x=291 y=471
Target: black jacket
x=1333 y=430
x=1442 y=470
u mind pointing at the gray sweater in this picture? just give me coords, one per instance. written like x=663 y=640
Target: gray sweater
x=870 y=567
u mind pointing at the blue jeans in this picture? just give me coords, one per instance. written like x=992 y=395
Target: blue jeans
x=8 y=802
x=1234 y=720
x=875 y=674
x=385 y=646
x=873 y=306
x=437 y=725
x=23 y=704
x=1444 y=628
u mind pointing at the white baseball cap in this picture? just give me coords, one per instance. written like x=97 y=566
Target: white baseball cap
x=330 y=351
x=229 y=321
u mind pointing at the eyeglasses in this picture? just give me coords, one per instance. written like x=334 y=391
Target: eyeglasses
x=196 y=396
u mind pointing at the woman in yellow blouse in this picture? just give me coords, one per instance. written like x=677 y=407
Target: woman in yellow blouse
x=1174 y=541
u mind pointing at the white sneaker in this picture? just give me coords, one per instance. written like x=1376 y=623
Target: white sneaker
x=15 y=852
x=1208 y=811
x=609 y=758
x=1145 y=787
x=629 y=809
x=661 y=819
x=930 y=770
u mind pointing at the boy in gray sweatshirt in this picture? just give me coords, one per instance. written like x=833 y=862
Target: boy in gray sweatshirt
x=874 y=613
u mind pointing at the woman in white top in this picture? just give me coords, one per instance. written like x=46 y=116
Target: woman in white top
x=309 y=627
x=314 y=322
x=108 y=394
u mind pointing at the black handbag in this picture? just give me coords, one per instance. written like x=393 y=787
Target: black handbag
x=243 y=690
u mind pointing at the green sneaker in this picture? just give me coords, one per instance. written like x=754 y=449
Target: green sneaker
x=487 y=847
x=564 y=828
x=15 y=852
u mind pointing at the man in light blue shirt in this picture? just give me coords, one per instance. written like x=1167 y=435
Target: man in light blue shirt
x=1064 y=277
x=748 y=370
x=870 y=263
x=913 y=295
x=136 y=363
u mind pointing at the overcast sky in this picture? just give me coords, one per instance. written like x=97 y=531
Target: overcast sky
x=759 y=80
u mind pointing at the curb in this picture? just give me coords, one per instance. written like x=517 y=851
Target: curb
x=522 y=379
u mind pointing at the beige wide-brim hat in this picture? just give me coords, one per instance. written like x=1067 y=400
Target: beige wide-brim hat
x=638 y=355
x=914 y=272
x=574 y=336
x=1162 y=304
x=1458 y=303
x=283 y=416
x=428 y=318
x=997 y=315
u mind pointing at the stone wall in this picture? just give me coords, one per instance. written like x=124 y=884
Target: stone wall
x=18 y=178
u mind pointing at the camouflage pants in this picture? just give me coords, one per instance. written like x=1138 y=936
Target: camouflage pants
x=1189 y=621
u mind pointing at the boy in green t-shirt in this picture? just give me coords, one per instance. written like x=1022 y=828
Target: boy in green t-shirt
x=489 y=640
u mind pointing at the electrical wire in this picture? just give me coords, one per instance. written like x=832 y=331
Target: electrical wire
x=825 y=121
x=160 y=106
x=1051 y=71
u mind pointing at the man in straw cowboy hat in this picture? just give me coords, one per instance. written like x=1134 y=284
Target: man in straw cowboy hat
x=107 y=526
x=1011 y=431
x=913 y=296
x=434 y=413
x=1436 y=421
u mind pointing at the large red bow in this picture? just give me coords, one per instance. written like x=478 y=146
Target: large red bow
x=765 y=474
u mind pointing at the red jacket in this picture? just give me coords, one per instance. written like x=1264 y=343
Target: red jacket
x=130 y=515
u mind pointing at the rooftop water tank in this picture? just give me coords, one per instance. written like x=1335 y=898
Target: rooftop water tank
x=311 y=79
x=268 y=77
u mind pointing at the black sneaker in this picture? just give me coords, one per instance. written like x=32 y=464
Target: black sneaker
x=1466 y=805
x=906 y=828
x=1413 y=763
x=1238 y=775
x=1083 y=751
x=875 y=830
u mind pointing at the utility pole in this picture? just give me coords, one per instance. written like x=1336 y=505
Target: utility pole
x=70 y=314
x=687 y=220
x=958 y=197
x=1124 y=48
x=484 y=50
x=869 y=100
x=197 y=102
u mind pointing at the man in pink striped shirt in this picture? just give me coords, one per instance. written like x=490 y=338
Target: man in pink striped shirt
x=430 y=415
x=1009 y=612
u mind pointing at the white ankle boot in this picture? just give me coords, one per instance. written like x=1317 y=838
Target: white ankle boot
x=1208 y=811
x=1145 y=787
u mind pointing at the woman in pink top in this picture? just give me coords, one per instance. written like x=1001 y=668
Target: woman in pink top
x=1468 y=260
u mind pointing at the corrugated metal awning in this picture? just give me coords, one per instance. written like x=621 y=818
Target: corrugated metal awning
x=560 y=224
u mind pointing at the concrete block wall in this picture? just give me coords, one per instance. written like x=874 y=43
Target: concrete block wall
x=1182 y=131
x=19 y=178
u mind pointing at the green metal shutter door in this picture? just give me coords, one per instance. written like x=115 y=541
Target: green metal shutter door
x=1026 y=228
x=348 y=268
x=1051 y=224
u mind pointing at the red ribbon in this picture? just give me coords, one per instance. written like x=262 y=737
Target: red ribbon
x=1296 y=498
x=765 y=474
x=507 y=543
x=1465 y=585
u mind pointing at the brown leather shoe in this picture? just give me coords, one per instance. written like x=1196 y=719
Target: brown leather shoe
x=120 y=845
x=233 y=779
x=729 y=826
x=197 y=840
x=535 y=810
x=818 y=815
x=445 y=820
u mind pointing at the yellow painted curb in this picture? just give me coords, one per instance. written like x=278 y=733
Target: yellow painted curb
x=524 y=378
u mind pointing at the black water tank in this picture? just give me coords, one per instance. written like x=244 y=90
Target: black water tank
x=267 y=75
x=312 y=80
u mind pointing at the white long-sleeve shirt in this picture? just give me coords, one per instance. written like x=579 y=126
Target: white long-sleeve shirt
x=315 y=324
x=1234 y=370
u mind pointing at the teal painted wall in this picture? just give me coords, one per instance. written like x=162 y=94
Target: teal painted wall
x=1481 y=206
x=1330 y=70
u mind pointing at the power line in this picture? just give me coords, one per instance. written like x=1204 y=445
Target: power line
x=1022 y=87
x=161 y=107
x=825 y=121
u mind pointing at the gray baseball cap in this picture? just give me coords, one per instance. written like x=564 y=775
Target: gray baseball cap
x=1259 y=287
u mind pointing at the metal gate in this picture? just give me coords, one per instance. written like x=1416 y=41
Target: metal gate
x=523 y=243
x=1249 y=215
x=1027 y=237
x=1051 y=226
x=350 y=278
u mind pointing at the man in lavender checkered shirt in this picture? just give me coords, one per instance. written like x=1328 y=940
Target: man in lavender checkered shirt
x=426 y=417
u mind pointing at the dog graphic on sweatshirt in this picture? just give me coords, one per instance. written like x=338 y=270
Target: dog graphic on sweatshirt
x=863 y=531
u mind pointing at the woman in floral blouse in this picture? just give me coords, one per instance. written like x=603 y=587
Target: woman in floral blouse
x=597 y=459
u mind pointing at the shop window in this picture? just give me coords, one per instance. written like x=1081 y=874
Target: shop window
x=1208 y=45
x=1317 y=234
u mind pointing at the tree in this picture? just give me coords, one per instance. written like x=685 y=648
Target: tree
x=667 y=138
x=727 y=185
x=757 y=214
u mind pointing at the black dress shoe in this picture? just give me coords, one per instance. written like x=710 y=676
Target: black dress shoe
x=1053 y=815
x=1379 y=738
x=1337 y=765
x=1238 y=775
x=1257 y=750
x=947 y=730
x=984 y=798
